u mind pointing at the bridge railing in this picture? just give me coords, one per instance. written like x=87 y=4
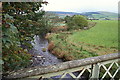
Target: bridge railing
x=105 y=66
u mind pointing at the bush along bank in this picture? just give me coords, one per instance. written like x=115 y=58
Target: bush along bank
x=65 y=50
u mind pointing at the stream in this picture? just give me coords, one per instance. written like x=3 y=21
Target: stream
x=42 y=57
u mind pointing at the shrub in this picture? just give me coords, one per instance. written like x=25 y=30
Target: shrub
x=68 y=57
x=19 y=25
x=15 y=59
x=76 y=22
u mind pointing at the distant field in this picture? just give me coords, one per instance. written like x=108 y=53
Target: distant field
x=105 y=33
x=103 y=15
x=98 y=40
x=96 y=15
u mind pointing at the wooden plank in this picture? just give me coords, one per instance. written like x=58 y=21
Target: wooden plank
x=95 y=71
x=34 y=71
x=61 y=72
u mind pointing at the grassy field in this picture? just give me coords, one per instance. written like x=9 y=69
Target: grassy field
x=103 y=15
x=98 y=40
x=105 y=33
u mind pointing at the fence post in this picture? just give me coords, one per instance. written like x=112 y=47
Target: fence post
x=95 y=71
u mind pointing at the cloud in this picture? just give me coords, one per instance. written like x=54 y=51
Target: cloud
x=82 y=5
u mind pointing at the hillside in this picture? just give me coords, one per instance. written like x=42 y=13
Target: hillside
x=63 y=14
x=97 y=15
x=101 y=15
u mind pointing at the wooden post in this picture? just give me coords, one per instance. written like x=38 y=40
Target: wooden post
x=95 y=71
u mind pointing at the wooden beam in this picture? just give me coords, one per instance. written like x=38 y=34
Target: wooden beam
x=34 y=71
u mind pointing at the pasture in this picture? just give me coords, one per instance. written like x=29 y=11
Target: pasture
x=98 y=40
x=105 y=33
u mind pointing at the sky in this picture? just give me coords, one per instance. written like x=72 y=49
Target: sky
x=82 y=5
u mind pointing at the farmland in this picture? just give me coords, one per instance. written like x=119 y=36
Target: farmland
x=105 y=33
x=98 y=40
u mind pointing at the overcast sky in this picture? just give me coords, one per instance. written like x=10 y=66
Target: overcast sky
x=82 y=5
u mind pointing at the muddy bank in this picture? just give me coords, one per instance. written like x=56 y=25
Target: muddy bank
x=57 y=45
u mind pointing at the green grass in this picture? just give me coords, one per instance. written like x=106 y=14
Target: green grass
x=98 y=40
x=105 y=33
x=102 y=16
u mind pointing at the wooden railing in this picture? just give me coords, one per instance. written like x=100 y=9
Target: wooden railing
x=105 y=66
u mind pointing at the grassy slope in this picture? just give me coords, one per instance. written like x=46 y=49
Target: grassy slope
x=105 y=33
x=102 y=15
x=99 y=40
x=109 y=14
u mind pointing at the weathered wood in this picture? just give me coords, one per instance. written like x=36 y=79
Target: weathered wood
x=95 y=71
x=61 y=72
x=34 y=71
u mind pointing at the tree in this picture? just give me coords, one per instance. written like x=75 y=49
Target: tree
x=76 y=22
x=20 y=22
x=80 y=21
x=67 y=19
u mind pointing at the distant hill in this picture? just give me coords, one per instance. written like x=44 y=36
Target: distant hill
x=101 y=15
x=97 y=15
x=65 y=13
